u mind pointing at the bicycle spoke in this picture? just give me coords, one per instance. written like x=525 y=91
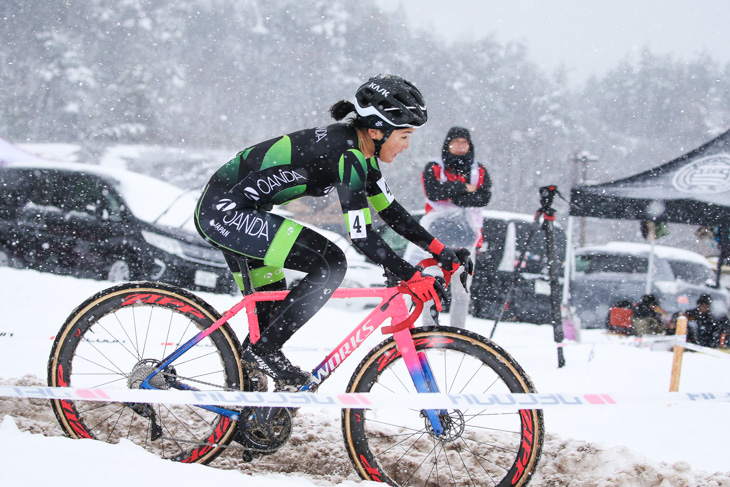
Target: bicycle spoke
x=104 y=419
x=475 y=447
x=112 y=344
x=134 y=342
x=136 y=355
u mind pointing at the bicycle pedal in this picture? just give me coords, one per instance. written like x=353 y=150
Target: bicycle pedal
x=283 y=387
x=259 y=381
x=249 y=456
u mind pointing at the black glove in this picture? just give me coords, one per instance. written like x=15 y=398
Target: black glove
x=447 y=258
x=465 y=259
x=452 y=255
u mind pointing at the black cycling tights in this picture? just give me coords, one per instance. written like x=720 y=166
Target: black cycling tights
x=325 y=265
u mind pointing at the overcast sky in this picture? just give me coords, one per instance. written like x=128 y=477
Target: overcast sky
x=587 y=36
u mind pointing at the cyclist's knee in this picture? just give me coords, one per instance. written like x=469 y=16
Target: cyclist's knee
x=323 y=261
x=328 y=267
x=337 y=264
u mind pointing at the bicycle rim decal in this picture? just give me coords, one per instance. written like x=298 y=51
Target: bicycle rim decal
x=162 y=300
x=524 y=457
x=211 y=442
x=68 y=411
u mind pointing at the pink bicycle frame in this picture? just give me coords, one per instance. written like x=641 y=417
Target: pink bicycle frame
x=392 y=305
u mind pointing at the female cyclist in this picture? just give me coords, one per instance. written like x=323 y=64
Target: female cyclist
x=234 y=215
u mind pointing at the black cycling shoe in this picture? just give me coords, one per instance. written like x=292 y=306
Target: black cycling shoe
x=287 y=377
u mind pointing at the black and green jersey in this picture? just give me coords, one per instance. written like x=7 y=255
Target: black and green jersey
x=313 y=162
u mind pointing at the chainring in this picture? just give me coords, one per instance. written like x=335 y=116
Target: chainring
x=263 y=429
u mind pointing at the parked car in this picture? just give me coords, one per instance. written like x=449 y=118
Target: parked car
x=504 y=236
x=617 y=271
x=104 y=223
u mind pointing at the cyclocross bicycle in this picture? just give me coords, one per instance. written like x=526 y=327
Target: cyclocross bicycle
x=149 y=335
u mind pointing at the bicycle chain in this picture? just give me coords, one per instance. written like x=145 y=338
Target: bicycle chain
x=200 y=443
x=190 y=379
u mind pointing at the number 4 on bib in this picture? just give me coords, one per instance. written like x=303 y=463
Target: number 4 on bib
x=356 y=224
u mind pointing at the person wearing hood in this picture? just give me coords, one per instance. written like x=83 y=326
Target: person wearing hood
x=455 y=179
x=456 y=188
x=649 y=317
x=710 y=330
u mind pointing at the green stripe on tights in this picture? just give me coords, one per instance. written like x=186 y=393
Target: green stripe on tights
x=282 y=243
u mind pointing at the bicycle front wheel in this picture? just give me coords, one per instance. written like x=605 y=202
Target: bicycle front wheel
x=478 y=447
x=115 y=339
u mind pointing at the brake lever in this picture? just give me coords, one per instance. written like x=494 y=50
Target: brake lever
x=434 y=314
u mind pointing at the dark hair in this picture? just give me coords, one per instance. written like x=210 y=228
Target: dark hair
x=704 y=299
x=343 y=108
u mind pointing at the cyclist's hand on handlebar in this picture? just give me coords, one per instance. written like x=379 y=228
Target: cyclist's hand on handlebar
x=447 y=258
x=426 y=288
x=452 y=255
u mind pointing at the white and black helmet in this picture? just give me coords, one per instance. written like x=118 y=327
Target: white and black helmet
x=391 y=99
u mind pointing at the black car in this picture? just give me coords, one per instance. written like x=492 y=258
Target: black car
x=505 y=234
x=96 y=222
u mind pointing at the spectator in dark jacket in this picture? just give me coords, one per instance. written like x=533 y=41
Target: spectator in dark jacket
x=457 y=188
x=648 y=316
x=709 y=328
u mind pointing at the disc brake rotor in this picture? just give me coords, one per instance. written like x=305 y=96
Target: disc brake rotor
x=453 y=424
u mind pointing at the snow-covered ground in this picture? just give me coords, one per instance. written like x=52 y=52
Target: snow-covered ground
x=648 y=445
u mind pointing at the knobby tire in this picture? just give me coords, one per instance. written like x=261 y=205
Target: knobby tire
x=138 y=323
x=478 y=447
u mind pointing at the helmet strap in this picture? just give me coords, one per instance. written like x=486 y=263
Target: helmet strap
x=379 y=142
x=378 y=145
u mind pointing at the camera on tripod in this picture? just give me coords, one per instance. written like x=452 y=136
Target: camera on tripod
x=547 y=195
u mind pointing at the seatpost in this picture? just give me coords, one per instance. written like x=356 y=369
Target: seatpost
x=245 y=275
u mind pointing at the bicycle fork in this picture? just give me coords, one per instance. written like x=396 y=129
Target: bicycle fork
x=420 y=372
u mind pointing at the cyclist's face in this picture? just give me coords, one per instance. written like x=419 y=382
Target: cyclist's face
x=396 y=143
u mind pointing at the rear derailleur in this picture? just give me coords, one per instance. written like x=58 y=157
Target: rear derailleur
x=162 y=380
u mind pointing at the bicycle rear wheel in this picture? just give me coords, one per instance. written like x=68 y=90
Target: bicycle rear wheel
x=115 y=339
x=479 y=447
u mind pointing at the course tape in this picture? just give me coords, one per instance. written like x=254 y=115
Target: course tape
x=698 y=348
x=495 y=402
x=680 y=340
